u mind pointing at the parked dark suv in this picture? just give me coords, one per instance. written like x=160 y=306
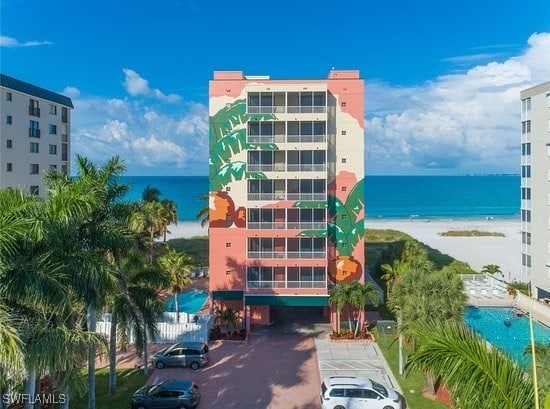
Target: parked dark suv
x=176 y=394
x=193 y=354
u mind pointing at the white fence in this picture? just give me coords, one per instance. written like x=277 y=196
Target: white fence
x=172 y=332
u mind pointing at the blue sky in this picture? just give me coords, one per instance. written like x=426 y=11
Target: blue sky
x=442 y=77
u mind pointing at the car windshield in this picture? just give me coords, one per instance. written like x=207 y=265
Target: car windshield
x=381 y=389
x=154 y=389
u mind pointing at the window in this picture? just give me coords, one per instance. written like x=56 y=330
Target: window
x=9 y=143
x=34 y=109
x=34 y=168
x=227 y=272
x=525 y=127
x=526 y=216
x=53 y=168
x=52 y=129
x=8 y=96
x=343 y=104
x=34 y=190
x=344 y=132
x=64 y=115
x=9 y=120
x=344 y=188
x=526 y=193
x=526 y=238
x=9 y=167
x=227 y=244
x=53 y=149
x=526 y=260
x=53 y=109
x=34 y=147
x=228 y=189
x=344 y=160
x=64 y=169
x=526 y=171
x=548 y=100
x=34 y=130
x=526 y=149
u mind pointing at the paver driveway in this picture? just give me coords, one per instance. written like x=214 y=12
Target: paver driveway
x=273 y=370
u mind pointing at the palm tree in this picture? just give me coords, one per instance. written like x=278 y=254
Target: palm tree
x=360 y=295
x=228 y=320
x=136 y=305
x=148 y=219
x=542 y=354
x=476 y=375
x=204 y=213
x=169 y=215
x=150 y=194
x=392 y=273
x=178 y=266
x=338 y=297
x=491 y=269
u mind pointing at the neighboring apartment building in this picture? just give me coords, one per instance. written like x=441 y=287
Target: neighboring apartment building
x=535 y=187
x=34 y=135
x=286 y=191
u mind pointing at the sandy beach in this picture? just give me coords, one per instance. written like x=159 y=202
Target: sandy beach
x=476 y=251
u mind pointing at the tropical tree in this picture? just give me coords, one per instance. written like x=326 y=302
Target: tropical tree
x=178 y=266
x=150 y=194
x=360 y=296
x=392 y=273
x=476 y=375
x=491 y=269
x=147 y=220
x=169 y=215
x=228 y=320
x=136 y=306
x=542 y=360
x=204 y=212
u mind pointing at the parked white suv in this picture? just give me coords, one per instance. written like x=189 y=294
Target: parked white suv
x=351 y=392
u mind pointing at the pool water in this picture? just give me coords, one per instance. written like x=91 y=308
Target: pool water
x=512 y=336
x=190 y=302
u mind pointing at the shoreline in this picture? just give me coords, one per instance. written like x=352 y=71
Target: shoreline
x=476 y=251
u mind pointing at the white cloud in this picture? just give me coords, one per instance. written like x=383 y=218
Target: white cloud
x=460 y=123
x=150 y=137
x=71 y=92
x=10 y=42
x=135 y=85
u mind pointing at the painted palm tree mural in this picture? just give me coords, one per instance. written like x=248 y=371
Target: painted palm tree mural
x=227 y=139
x=345 y=230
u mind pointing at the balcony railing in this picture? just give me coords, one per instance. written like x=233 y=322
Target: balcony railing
x=306 y=196
x=306 y=109
x=266 y=167
x=265 y=138
x=286 y=284
x=321 y=167
x=287 y=255
x=64 y=138
x=288 y=225
x=306 y=138
x=266 y=109
x=34 y=111
x=34 y=133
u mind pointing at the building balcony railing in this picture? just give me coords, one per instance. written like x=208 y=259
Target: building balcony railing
x=287 y=255
x=287 y=196
x=34 y=111
x=288 y=225
x=266 y=167
x=286 y=284
x=34 y=133
x=266 y=109
x=306 y=109
x=306 y=196
x=265 y=138
x=64 y=138
x=321 y=167
x=306 y=138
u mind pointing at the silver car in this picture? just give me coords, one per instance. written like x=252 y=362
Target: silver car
x=192 y=354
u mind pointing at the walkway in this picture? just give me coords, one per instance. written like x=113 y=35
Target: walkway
x=351 y=358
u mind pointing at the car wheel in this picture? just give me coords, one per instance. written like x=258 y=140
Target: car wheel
x=339 y=407
x=140 y=407
x=160 y=364
x=388 y=407
x=195 y=365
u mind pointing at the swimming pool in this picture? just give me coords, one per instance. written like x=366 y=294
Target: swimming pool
x=189 y=302
x=511 y=336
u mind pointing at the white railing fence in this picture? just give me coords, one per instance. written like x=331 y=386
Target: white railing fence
x=170 y=331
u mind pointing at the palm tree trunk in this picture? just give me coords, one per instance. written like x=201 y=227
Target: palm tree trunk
x=112 y=356
x=165 y=230
x=401 y=363
x=430 y=381
x=30 y=385
x=177 y=304
x=38 y=391
x=349 y=320
x=92 y=327
x=145 y=353
x=359 y=321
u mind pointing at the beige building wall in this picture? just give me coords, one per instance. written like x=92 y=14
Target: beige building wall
x=26 y=153
x=535 y=187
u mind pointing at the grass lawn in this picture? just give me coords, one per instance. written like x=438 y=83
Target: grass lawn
x=413 y=380
x=128 y=381
x=471 y=233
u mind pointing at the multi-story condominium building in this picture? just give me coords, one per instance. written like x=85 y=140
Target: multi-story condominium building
x=34 y=134
x=286 y=191
x=535 y=187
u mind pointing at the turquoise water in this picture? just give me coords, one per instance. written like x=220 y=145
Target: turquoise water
x=190 y=302
x=489 y=322
x=387 y=197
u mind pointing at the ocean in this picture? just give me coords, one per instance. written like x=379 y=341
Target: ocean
x=387 y=197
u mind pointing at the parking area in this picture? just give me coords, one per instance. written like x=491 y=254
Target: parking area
x=273 y=370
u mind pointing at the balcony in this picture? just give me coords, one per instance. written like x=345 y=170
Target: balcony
x=266 y=255
x=309 y=167
x=34 y=133
x=64 y=138
x=286 y=284
x=306 y=138
x=306 y=196
x=34 y=111
x=265 y=138
x=315 y=225
x=266 y=225
x=266 y=109
x=265 y=167
x=306 y=109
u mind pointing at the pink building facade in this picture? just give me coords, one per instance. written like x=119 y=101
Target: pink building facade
x=286 y=190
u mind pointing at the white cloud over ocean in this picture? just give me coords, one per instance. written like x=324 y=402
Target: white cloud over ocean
x=464 y=122
x=10 y=42
x=153 y=138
